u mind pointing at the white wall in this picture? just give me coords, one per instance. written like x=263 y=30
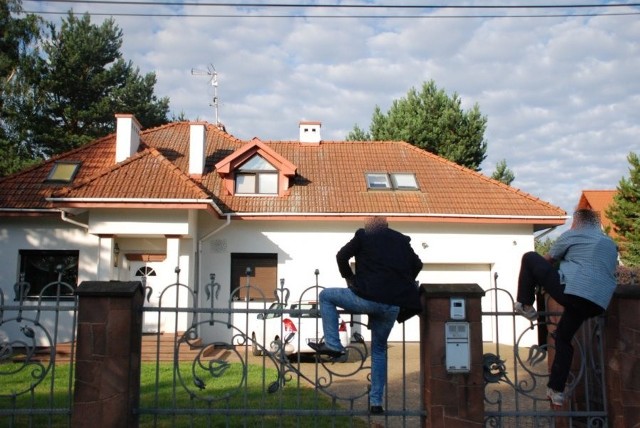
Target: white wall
x=303 y=247
x=37 y=233
x=448 y=251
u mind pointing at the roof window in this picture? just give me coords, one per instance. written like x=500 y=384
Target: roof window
x=256 y=176
x=392 y=181
x=63 y=172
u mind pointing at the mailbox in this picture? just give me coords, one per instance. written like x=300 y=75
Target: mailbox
x=458 y=357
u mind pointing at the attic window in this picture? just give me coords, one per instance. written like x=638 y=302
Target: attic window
x=256 y=176
x=395 y=181
x=404 y=181
x=63 y=172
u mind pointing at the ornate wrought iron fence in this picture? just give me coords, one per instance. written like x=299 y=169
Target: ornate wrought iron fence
x=516 y=375
x=248 y=379
x=37 y=337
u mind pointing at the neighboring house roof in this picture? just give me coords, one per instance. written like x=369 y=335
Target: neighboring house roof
x=326 y=179
x=599 y=201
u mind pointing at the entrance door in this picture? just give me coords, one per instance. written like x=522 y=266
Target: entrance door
x=148 y=273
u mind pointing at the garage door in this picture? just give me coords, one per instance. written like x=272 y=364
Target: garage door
x=445 y=273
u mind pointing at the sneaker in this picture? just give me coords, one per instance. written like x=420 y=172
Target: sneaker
x=529 y=313
x=323 y=349
x=556 y=398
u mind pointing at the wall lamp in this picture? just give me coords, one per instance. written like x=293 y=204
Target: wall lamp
x=116 y=253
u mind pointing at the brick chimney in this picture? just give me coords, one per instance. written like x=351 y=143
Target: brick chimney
x=197 y=139
x=127 y=136
x=310 y=132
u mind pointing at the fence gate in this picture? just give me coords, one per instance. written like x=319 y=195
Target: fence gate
x=250 y=374
x=516 y=369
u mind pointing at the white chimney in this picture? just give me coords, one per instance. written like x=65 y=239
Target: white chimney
x=310 y=132
x=197 y=133
x=127 y=136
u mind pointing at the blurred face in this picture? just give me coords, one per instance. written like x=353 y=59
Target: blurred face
x=374 y=223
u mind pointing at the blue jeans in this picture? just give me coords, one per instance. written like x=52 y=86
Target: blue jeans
x=381 y=320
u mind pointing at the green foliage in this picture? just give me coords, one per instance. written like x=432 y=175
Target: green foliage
x=435 y=122
x=503 y=173
x=68 y=93
x=358 y=134
x=624 y=213
x=542 y=247
x=628 y=275
x=17 y=52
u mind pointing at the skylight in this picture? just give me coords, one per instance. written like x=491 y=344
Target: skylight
x=392 y=181
x=63 y=172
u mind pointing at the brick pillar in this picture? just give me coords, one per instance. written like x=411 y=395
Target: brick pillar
x=107 y=376
x=622 y=356
x=452 y=400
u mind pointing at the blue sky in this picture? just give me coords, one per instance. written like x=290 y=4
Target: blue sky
x=561 y=93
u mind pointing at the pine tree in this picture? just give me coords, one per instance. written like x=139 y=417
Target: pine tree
x=435 y=122
x=624 y=214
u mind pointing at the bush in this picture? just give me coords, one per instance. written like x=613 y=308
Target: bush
x=628 y=275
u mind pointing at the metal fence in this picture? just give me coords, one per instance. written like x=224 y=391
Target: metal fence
x=37 y=337
x=516 y=375
x=255 y=376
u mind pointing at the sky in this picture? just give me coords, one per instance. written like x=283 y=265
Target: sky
x=560 y=86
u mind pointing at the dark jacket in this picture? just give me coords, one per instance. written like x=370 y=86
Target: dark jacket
x=386 y=269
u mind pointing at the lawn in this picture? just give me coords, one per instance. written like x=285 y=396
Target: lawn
x=225 y=396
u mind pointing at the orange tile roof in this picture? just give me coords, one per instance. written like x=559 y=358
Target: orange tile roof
x=599 y=201
x=330 y=180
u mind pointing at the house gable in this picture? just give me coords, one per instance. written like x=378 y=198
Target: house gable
x=228 y=166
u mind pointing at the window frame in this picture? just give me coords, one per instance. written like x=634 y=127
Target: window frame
x=251 y=168
x=68 y=176
x=38 y=283
x=391 y=181
x=263 y=276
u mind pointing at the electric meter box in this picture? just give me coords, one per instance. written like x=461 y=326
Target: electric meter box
x=458 y=354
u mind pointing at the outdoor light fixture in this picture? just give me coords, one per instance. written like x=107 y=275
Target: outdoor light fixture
x=116 y=253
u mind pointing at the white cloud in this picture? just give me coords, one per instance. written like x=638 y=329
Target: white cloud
x=561 y=94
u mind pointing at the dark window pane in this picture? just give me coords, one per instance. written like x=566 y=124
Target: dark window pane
x=39 y=268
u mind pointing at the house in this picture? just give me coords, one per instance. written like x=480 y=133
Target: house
x=599 y=201
x=137 y=204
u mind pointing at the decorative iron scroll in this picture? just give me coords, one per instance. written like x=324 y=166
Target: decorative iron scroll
x=516 y=375
x=30 y=331
x=219 y=360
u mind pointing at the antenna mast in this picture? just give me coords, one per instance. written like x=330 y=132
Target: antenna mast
x=213 y=74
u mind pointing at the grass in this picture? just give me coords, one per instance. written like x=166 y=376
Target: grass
x=230 y=397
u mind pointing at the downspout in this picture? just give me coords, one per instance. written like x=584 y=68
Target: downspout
x=199 y=258
x=68 y=220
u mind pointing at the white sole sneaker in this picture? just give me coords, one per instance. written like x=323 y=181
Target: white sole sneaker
x=556 y=398
x=529 y=314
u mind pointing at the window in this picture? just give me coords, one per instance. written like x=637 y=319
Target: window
x=261 y=268
x=39 y=268
x=395 y=181
x=63 y=172
x=404 y=181
x=257 y=176
x=378 y=181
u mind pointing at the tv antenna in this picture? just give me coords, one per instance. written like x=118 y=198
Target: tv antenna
x=213 y=74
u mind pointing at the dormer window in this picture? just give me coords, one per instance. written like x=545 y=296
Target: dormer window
x=393 y=181
x=63 y=172
x=256 y=176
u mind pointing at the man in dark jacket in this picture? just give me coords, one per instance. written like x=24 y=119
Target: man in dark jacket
x=384 y=282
